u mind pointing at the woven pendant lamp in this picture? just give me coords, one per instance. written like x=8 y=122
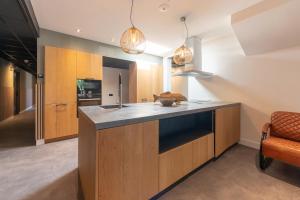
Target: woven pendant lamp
x=133 y=40
x=183 y=55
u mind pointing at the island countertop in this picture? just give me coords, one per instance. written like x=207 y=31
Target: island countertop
x=142 y=112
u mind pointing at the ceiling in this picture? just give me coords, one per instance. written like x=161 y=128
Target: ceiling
x=105 y=21
x=18 y=34
x=268 y=36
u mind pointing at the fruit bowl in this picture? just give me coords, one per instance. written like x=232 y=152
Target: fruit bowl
x=167 y=101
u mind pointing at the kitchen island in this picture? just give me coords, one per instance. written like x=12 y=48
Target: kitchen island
x=139 y=151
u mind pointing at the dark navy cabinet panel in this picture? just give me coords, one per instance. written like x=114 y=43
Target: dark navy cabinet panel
x=179 y=130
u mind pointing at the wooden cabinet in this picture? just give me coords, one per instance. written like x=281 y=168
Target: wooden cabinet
x=89 y=66
x=227 y=128
x=175 y=164
x=50 y=121
x=203 y=150
x=128 y=162
x=60 y=117
x=66 y=120
x=144 y=81
x=178 y=162
x=62 y=68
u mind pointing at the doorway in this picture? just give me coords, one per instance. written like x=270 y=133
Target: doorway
x=16 y=92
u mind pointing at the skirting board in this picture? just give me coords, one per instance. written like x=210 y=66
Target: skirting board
x=29 y=108
x=249 y=143
x=39 y=142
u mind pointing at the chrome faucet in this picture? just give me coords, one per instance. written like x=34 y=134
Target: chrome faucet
x=120 y=90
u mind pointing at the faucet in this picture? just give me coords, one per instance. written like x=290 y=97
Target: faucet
x=120 y=90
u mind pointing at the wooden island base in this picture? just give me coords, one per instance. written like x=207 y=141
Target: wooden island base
x=129 y=163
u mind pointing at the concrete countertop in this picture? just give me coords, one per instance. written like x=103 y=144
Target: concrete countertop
x=142 y=112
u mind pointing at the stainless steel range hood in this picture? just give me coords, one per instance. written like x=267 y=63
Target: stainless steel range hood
x=193 y=69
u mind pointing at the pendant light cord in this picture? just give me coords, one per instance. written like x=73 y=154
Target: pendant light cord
x=187 y=31
x=131 y=8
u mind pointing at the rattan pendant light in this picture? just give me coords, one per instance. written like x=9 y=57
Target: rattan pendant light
x=133 y=40
x=183 y=55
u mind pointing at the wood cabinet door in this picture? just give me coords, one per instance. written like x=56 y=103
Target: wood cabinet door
x=65 y=76
x=157 y=79
x=60 y=117
x=89 y=66
x=96 y=67
x=144 y=81
x=236 y=124
x=227 y=128
x=144 y=84
x=66 y=119
x=175 y=164
x=50 y=75
x=203 y=150
x=133 y=83
x=84 y=63
x=128 y=162
x=50 y=121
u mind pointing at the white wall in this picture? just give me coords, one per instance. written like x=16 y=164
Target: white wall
x=110 y=84
x=26 y=91
x=263 y=84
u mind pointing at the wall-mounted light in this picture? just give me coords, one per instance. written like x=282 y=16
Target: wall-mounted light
x=11 y=67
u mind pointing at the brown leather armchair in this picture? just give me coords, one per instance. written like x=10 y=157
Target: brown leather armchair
x=281 y=139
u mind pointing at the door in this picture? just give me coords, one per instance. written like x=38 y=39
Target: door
x=66 y=76
x=128 y=162
x=203 y=150
x=175 y=164
x=227 y=128
x=144 y=84
x=66 y=119
x=96 y=67
x=60 y=118
x=50 y=121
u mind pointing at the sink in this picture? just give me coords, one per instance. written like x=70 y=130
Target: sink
x=112 y=106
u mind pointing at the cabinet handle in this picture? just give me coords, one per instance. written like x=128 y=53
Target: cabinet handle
x=61 y=104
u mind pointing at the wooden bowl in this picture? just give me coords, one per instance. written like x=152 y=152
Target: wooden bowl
x=167 y=101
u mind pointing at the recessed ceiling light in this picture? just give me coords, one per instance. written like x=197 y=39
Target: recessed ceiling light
x=164 y=7
x=78 y=30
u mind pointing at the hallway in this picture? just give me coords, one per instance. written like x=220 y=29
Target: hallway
x=17 y=131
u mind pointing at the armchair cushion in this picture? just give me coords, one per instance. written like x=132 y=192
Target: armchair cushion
x=282 y=149
x=286 y=125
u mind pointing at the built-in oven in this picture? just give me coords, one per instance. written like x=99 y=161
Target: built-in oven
x=89 y=92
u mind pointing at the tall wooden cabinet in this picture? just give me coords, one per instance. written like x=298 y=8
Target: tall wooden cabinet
x=144 y=81
x=227 y=128
x=60 y=101
x=62 y=68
